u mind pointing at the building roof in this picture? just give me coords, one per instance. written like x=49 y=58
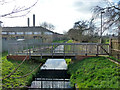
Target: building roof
x=24 y=29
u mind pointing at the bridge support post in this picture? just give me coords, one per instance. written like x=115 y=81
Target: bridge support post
x=41 y=56
x=41 y=83
x=52 y=50
x=86 y=50
x=97 y=51
x=64 y=51
x=110 y=47
x=29 y=54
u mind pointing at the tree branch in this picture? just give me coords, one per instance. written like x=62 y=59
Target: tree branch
x=18 y=10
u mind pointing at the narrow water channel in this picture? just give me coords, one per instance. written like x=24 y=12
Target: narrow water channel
x=53 y=74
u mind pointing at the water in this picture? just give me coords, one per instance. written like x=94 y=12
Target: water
x=52 y=64
x=50 y=84
x=55 y=64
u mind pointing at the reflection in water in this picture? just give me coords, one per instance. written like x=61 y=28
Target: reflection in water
x=50 y=84
x=55 y=64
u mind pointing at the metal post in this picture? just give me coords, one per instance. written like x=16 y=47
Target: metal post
x=41 y=82
x=119 y=40
x=41 y=56
x=101 y=27
x=64 y=51
x=86 y=50
x=110 y=46
x=27 y=48
x=52 y=82
x=97 y=50
x=33 y=48
x=52 y=50
x=9 y=50
x=29 y=53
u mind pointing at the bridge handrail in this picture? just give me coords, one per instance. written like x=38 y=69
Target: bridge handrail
x=61 y=43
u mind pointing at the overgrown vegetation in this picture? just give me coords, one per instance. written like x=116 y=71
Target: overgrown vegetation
x=70 y=41
x=14 y=81
x=95 y=72
x=68 y=61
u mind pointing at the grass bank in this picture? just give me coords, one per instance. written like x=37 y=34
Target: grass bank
x=13 y=81
x=95 y=72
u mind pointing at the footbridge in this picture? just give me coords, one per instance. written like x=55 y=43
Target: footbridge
x=57 y=49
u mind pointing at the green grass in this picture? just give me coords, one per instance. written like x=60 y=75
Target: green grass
x=68 y=61
x=113 y=58
x=95 y=72
x=9 y=65
x=4 y=54
x=68 y=48
x=61 y=41
x=107 y=41
x=70 y=41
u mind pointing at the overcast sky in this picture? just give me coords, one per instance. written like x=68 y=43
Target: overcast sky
x=61 y=13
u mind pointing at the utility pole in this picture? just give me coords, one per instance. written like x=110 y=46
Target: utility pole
x=101 y=27
x=119 y=30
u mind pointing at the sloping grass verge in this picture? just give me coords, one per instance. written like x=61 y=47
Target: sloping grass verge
x=12 y=82
x=95 y=72
x=115 y=59
x=68 y=61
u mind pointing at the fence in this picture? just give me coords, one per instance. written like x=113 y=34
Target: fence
x=62 y=49
x=115 y=47
x=5 y=43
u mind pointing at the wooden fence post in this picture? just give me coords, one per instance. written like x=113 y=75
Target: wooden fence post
x=110 y=46
x=97 y=50
x=119 y=42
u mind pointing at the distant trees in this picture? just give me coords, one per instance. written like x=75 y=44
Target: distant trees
x=47 y=26
x=82 y=31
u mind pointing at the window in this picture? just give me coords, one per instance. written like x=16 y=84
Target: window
x=28 y=33
x=37 y=32
x=4 y=32
x=19 y=33
x=48 y=33
x=11 y=33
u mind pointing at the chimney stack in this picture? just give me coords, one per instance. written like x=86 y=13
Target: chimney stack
x=33 y=20
x=28 y=22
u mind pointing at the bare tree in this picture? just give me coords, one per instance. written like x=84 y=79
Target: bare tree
x=47 y=26
x=82 y=31
x=17 y=11
x=51 y=27
x=111 y=16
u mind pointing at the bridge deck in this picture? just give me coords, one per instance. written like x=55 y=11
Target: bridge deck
x=59 y=49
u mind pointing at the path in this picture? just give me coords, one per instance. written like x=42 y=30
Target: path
x=59 y=49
